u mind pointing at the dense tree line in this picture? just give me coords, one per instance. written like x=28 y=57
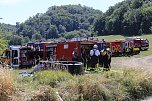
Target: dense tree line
x=8 y=36
x=7 y=28
x=130 y=17
x=59 y=21
x=3 y=42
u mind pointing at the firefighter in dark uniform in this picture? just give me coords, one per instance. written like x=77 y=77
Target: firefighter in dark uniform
x=94 y=53
x=83 y=56
x=106 y=55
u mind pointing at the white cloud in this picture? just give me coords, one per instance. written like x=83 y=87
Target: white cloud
x=9 y=2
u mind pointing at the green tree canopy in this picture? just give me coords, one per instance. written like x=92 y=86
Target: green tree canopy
x=129 y=17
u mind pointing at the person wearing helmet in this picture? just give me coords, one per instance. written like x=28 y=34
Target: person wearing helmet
x=94 y=53
x=106 y=59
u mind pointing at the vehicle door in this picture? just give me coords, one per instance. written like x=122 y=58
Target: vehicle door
x=15 y=53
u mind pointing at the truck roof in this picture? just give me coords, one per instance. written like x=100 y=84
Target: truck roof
x=134 y=38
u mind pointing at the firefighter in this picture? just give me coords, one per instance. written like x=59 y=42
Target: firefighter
x=127 y=51
x=88 y=58
x=83 y=56
x=75 y=55
x=109 y=57
x=106 y=56
x=102 y=53
x=94 y=53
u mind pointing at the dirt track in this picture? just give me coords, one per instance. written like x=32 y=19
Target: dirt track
x=132 y=62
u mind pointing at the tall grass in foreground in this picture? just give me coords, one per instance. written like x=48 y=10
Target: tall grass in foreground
x=129 y=85
x=124 y=85
x=51 y=78
x=7 y=88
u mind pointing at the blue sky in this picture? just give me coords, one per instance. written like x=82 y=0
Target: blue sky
x=13 y=11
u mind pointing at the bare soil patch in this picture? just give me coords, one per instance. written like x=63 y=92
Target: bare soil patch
x=132 y=62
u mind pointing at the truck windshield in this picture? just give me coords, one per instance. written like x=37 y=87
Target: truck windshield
x=15 y=53
x=144 y=42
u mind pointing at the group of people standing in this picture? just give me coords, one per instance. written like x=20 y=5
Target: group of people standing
x=103 y=58
x=93 y=57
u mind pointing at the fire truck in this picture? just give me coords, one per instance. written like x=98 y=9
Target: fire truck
x=142 y=44
x=42 y=50
x=65 y=49
x=123 y=47
x=18 y=56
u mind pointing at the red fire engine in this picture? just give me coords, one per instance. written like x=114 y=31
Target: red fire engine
x=42 y=50
x=142 y=44
x=65 y=49
x=121 y=47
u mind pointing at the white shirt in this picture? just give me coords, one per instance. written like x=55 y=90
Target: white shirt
x=97 y=53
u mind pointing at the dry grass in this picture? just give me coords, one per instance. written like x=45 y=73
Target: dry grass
x=7 y=88
x=137 y=83
x=127 y=85
x=86 y=88
x=45 y=93
x=114 y=85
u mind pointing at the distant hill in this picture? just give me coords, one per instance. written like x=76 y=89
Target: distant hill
x=129 y=17
x=60 y=21
x=7 y=28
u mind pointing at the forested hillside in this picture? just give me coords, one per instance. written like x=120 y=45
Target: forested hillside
x=130 y=17
x=7 y=28
x=60 y=21
x=8 y=36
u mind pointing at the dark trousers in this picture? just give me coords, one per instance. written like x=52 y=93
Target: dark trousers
x=106 y=61
x=94 y=61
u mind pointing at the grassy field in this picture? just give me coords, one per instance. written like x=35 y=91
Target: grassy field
x=116 y=37
x=128 y=85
